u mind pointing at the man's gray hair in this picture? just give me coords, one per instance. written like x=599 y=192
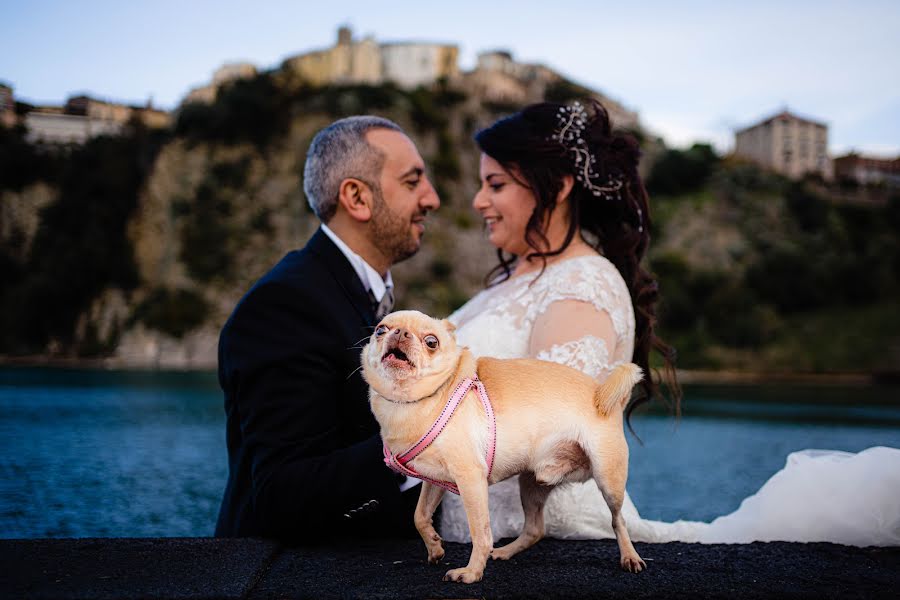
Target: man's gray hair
x=340 y=151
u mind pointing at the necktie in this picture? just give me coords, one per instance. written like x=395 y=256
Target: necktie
x=384 y=307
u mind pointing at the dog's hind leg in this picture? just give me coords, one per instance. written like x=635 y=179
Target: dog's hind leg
x=429 y=498
x=610 y=473
x=534 y=496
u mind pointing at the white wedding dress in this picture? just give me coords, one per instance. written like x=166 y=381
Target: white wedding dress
x=819 y=496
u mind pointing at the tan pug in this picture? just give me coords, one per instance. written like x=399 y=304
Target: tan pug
x=554 y=424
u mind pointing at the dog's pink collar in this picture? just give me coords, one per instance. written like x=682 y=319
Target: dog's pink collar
x=400 y=463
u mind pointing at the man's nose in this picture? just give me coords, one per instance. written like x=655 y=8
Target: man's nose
x=430 y=200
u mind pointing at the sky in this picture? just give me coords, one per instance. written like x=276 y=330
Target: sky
x=694 y=70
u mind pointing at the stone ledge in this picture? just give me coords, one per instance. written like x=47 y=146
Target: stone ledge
x=95 y=569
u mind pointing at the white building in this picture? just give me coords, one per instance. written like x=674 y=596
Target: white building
x=787 y=144
x=413 y=64
x=58 y=128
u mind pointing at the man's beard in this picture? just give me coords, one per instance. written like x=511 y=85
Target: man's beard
x=391 y=234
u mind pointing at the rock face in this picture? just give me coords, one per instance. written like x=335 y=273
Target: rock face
x=20 y=216
x=140 y=347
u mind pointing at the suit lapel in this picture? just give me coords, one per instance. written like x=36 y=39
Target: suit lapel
x=344 y=274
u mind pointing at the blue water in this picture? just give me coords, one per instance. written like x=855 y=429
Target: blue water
x=143 y=454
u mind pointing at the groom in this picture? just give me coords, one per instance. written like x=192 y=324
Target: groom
x=304 y=453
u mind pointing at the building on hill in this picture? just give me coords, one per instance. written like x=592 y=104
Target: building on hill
x=232 y=72
x=498 y=77
x=83 y=117
x=348 y=61
x=7 y=106
x=227 y=73
x=788 y=144
x=56 y=127
x=408 y=64
x=501 y=61
x=867 y=170
x=102 y=110
x=86 y=106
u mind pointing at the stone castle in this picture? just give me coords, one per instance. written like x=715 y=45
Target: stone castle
x=497 y=77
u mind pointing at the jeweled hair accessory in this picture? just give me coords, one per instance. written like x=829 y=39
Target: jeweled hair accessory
x=572 y=123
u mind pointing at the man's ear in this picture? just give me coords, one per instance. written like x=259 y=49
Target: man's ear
x=355 y=197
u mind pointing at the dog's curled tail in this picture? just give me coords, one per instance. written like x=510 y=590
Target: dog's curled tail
x=615 y=392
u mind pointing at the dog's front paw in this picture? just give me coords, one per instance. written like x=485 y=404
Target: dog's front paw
x=633 y=563
x=435 y=552
x=504 y=553
x=464 y=575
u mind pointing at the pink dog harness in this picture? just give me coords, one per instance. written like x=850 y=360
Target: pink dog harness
x=400 y=463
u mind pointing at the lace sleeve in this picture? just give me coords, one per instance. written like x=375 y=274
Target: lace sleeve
x=592 y=280
x=588 y=354
x=576 y=334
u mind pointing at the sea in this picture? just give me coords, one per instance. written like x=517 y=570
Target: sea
x=93 y=453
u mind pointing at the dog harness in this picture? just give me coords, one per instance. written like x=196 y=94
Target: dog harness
x=400 y=463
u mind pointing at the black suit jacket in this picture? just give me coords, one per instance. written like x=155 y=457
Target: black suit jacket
x=304 y=454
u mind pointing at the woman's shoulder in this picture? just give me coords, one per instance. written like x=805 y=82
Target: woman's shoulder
x=582 y=274
x=591 y=279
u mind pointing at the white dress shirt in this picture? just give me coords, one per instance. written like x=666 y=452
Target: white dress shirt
x=369 y=277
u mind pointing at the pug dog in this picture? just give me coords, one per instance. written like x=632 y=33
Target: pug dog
x=553 y=424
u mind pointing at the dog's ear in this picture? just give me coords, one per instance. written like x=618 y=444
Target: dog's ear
x=450 y=326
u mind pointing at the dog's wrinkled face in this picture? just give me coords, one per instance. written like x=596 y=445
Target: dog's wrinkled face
x=409 y=355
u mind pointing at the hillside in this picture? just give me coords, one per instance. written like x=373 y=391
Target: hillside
x=134 y=249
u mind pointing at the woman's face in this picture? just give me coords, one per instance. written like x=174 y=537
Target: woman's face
x=505 y=205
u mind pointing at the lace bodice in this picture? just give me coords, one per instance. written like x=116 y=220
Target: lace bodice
x=500 y=320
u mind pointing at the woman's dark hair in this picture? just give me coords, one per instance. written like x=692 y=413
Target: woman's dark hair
x=617 y=226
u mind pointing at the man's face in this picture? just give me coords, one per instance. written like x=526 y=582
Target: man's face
x=398 y=214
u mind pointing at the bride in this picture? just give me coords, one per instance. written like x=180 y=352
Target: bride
x=566 y=209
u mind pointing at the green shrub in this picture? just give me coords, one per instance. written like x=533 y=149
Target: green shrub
x=441 y=268
x=424 y=112
x=174 y=312
x=679 y=172
x=447 y=97
x=253 y=110
x=446 y=164
x=566 y=91
x=22 y=164
x=207 y=235
x=231 y=174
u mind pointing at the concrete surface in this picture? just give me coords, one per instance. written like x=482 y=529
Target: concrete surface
x=95 y=569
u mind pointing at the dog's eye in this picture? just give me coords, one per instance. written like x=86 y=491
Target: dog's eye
x=381 y=330
x=431 y=341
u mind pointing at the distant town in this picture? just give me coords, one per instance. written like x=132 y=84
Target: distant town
x=792 y=145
